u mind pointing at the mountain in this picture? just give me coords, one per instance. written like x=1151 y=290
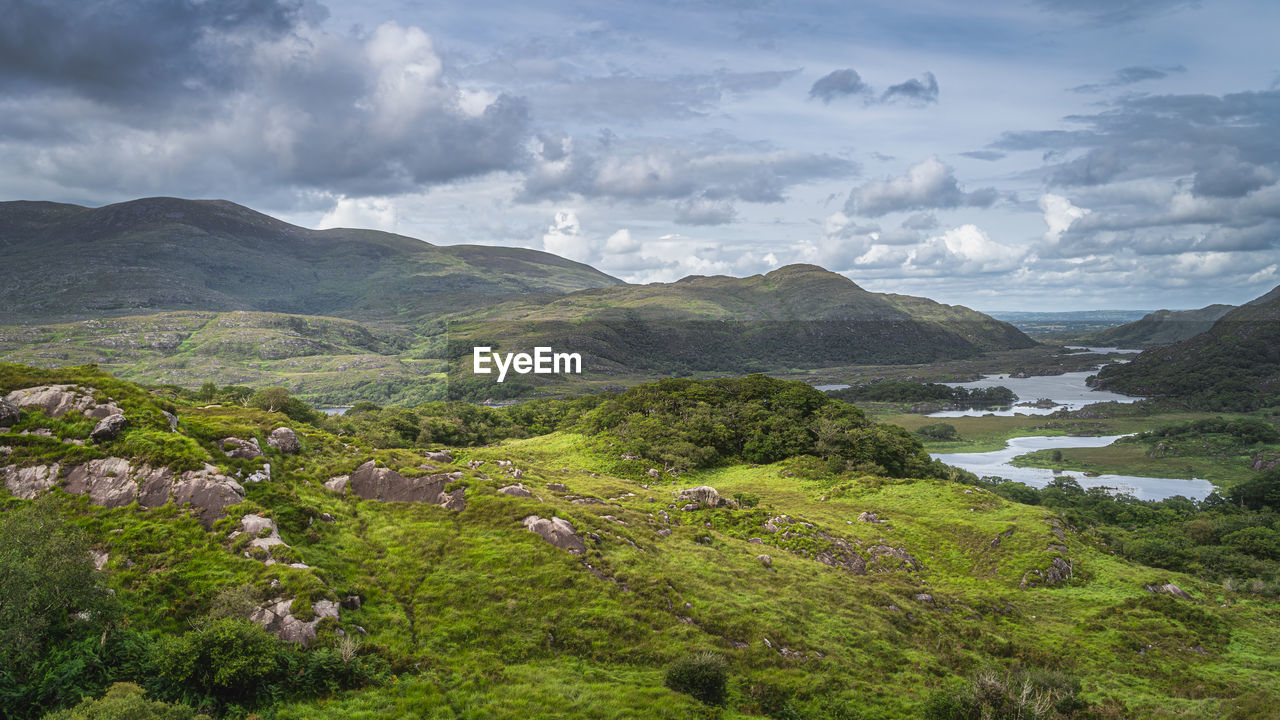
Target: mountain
x=798 y=316
x=1235 y=364
x=66 y=262
x=1162 y=327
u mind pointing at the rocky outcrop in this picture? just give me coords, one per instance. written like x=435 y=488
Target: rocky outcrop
x=703 y=496
x=558 y=532
x=108 y=482
x=241 y=449
x=108 y=428
x=58 y=400
x=276 y=617
x=28 y=482
x=374 y=483
x=1058 y=571
x=439 y=456
x=1167 y=589
x=338 y=484
x=113 y=482
x=885 y=557
x=8 y=414
x=285 y=440
x=517 y=490
x=208 y=491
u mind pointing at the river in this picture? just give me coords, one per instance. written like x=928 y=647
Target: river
x=996 y=463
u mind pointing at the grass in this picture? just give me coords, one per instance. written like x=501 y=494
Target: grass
x=477 y=617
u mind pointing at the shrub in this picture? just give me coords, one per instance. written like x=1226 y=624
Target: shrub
x=747 y=499
x=704 y=676
x=125 y=700
x=938 y=431
x=225 y=660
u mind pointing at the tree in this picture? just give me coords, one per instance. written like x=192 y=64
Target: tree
x=49 y=589
x=272 y=399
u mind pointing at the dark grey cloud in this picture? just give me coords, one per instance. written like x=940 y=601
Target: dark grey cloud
x=277 y=103
x=837 y=84
x=846 y=82
x=1130 y=76
x=1163 y=136
x=137 y=50
x=927 y=185
x=1225 y=175
x=987 y=155
x=922 y=90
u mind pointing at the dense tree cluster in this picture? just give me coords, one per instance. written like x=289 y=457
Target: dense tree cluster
x=914 y=392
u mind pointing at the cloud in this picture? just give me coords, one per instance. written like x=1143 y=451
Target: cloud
x=1130 y=76
x=138 y=51
x=564 y=238
x=701 y=211
x=379 y=213
x=1108 y=12
x=836 y=84
x=921 y=91
x=283 y=106
x=926 y=185
x=987 y=155
x=846 y=82
x=1059 y=214
x=702 y=176
x=1225 y=175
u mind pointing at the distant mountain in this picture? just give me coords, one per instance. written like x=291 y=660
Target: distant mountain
x=66 y=262
x=796 y=316
x=1162 y=327
x=1234 y=365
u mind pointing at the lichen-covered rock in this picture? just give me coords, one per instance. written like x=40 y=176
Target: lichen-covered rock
x=8 y=414
x=108 y=428
x=886 y=557
x=558 y=487
x=517 y=490
x=58 y=400
x=261 y=475
x=28 y=482
x=558 y=532
x=703 y=496
x=440 y=456
x=208 y=491
x=172 y=420
x=1057 y=572
x=1168 y=589
x=338 y=484
x=239 y=448
x=374 y=483
x=285 y=440
x=108 y=482
x=276 y=617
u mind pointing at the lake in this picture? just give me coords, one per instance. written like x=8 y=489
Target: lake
x=1068 y=391
x=996 y=463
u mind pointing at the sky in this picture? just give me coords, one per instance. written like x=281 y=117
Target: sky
x=1022 y=155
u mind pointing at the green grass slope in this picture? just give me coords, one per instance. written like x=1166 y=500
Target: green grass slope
x=469 y=615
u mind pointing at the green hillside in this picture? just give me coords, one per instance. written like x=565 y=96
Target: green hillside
x=798 y=316
x=837 y=574
x=1162 y=327
x=1235 y=365
x=65 y=262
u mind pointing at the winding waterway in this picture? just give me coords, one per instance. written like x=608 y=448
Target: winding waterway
x=996 y=463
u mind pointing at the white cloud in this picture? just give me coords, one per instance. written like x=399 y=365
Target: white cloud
x=378 y=213
x=928 y=184
x=1059 y=213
